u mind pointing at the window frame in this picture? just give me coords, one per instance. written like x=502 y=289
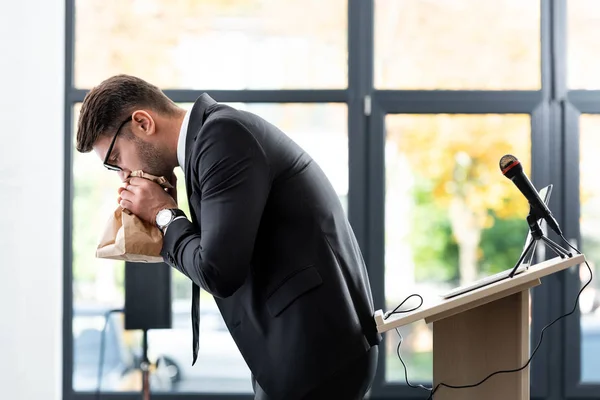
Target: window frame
x=554 y=114
x=455 y=102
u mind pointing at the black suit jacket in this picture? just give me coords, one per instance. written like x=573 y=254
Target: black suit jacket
x=268 y=238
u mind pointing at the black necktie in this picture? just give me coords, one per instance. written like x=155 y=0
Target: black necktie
x=195 y=321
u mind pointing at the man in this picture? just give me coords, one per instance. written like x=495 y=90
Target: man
x=267 y=235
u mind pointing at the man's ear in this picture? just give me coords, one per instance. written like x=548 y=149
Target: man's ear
x=142 y=123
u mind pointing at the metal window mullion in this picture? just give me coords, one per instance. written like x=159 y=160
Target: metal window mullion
x=244 y=96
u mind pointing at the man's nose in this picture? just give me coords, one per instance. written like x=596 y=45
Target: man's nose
x=124 y=174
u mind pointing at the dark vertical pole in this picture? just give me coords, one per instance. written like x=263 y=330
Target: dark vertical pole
x=360 y=114
x=551 y=300
x=145 y=367
x=377 y=223
x=571 y=341
x=359 y=87
x=541 y=136
x=67 y=341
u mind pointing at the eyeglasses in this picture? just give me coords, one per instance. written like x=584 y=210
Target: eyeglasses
x=112 y=144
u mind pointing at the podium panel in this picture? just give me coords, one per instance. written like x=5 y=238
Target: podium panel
x=471 y=345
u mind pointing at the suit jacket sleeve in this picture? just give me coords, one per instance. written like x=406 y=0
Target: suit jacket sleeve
x=234 y=178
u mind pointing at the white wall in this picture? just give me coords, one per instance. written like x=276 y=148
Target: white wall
x=31 y=200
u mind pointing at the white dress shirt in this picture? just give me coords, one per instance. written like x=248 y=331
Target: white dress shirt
x=181 y=153
x=181 y=141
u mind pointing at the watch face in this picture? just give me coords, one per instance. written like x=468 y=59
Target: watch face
x=163 y=217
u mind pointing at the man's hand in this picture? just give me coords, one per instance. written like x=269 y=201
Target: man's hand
x=145 y=198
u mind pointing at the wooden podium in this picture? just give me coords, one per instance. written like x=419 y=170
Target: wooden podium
x=480 y=332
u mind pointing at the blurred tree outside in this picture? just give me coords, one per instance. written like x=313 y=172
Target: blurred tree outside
x=459 y=189
x=583 y=44
x=458 y=44
x=213 y=44
x=589 y=198
x=436 y=252
x=450 y=214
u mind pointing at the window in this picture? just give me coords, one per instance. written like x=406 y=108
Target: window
x=407 y=106
x=589 y=303
x=448 y=213
x=256 y=44
x=226 y=46
x=583 y=44
x=459 y=44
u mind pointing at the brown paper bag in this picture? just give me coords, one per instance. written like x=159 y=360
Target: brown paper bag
x=126 y=237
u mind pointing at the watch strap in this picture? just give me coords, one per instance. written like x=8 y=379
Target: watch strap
x=176 y=213
x=170 y=222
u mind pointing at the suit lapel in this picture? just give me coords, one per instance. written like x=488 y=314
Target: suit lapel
x=197 y=117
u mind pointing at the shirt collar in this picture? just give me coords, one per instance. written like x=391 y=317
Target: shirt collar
x=182 y=139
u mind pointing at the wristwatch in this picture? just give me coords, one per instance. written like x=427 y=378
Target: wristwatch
x=165 y=216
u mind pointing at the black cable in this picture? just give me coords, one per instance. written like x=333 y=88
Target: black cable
x=404 y=365
x=395 y=311
x=102 y=351
x=432 y=391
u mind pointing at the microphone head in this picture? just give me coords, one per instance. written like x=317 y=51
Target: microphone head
x=510 y=165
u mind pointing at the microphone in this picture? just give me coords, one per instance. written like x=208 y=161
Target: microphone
x=513 y=170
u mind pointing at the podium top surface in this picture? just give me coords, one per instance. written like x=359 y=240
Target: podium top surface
x=439 y=308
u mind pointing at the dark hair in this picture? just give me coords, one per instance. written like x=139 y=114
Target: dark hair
x=109 y=104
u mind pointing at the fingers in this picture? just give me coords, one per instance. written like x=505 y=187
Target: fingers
x=128 y=188
x=137 y=181
x=132 y=189
x=126 y=204
x=127 y=195
x=173 y=180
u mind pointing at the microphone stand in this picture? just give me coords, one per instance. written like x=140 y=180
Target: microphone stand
x=538 y=234
x=145 y=367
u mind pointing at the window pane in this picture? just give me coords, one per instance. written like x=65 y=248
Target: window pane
x=589 y=300
x=213 y=44
x=321 y=129
x=459 y=44
x=451 y=217
x=97 y=283
x=583 y=44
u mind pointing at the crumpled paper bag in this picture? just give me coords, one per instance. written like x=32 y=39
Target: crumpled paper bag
x=127 y=237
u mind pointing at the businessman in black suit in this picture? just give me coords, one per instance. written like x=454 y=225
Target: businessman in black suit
x=267 y=235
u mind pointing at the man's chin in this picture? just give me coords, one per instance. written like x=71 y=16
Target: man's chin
x=164 y=172
x=167 y=174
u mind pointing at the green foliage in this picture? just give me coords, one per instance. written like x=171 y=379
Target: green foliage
x=84 y=204
x=591 y=246
x=435 y=252
x=419 y=366
x=501 y=244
